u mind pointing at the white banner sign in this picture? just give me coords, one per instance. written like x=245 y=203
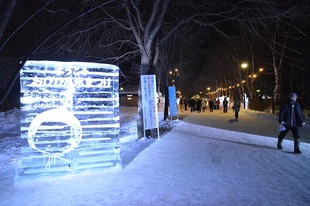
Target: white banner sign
x=149 y=101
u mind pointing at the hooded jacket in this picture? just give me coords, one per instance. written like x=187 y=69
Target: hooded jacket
x=286 y=114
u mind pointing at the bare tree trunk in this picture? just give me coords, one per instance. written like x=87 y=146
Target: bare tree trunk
x=145 y=60
x=252 y=90
x=6 y=6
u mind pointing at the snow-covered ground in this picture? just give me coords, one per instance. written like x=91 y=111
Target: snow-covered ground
x=192 y=164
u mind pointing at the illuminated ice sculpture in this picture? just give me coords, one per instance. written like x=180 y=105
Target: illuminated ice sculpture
x=70 y=117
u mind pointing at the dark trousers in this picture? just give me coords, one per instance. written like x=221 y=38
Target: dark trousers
x=225 y=109
x=236 y=114
x=295 y=132
x=192 y=109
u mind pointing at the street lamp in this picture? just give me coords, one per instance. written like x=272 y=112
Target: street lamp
x=173 y=75
x=244 y=65
x=209 y=96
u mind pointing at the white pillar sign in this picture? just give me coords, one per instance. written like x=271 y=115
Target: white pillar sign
x=149 y=101
x=70 y=117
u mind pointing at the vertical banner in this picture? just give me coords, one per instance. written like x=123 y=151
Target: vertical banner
x=149 y=101
x=173 y=102
x=70 y=117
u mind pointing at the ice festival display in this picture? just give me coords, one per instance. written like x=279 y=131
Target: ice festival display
x=70 y=118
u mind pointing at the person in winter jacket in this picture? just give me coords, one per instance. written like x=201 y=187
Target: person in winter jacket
x=236 y=107
x=291 y=118
x=192 y=104
x=198 y=105
x=225 y=105
x=211 y=105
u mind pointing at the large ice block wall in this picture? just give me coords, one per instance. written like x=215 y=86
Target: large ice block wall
x=70 y=117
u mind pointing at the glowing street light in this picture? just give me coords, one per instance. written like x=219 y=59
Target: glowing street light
x=173 y=75
x=244 y=65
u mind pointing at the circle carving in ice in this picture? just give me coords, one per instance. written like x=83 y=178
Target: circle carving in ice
x=61 y=115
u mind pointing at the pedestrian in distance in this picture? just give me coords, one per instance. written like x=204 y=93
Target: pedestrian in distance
x=211 y=105
x=198 y=105
x=291 y=118
x=185 y=103
x=217 y=103
x=225 y=105
x=181 y=103
x=203 y=104
x=192 y=104
x=236 y=107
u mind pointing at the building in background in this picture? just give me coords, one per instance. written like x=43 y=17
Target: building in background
x=128 y=95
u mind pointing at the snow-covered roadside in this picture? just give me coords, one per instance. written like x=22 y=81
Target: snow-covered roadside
x=191 y=165
x=10 y=143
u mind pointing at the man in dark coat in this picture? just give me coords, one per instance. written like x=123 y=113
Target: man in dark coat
x=211 y=105
x=236 y=106
x=192 y=104
x=225 y=105
x=291 y=118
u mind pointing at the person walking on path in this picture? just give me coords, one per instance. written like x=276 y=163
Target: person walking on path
x=217 y=103
x=211 y=105
x=198 y=105
x=185 y=103
x=181 y=103
x=225 y=105
x=192 y=104
x=236 y=107
x=291 y=118
x=203 y=104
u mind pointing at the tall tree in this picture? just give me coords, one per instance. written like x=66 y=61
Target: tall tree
x=135 y=31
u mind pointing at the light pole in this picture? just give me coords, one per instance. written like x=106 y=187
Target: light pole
x=244 y=66
x=173 y=75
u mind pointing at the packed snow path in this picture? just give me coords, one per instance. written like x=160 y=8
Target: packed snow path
x=193 y=164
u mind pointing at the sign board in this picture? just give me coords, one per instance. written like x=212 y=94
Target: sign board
x=70 y=117
x=149 y=101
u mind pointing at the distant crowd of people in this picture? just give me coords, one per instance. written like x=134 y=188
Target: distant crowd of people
x=202 y=104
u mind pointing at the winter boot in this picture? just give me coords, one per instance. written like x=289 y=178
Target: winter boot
x=296 y=146
x=279 y=145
